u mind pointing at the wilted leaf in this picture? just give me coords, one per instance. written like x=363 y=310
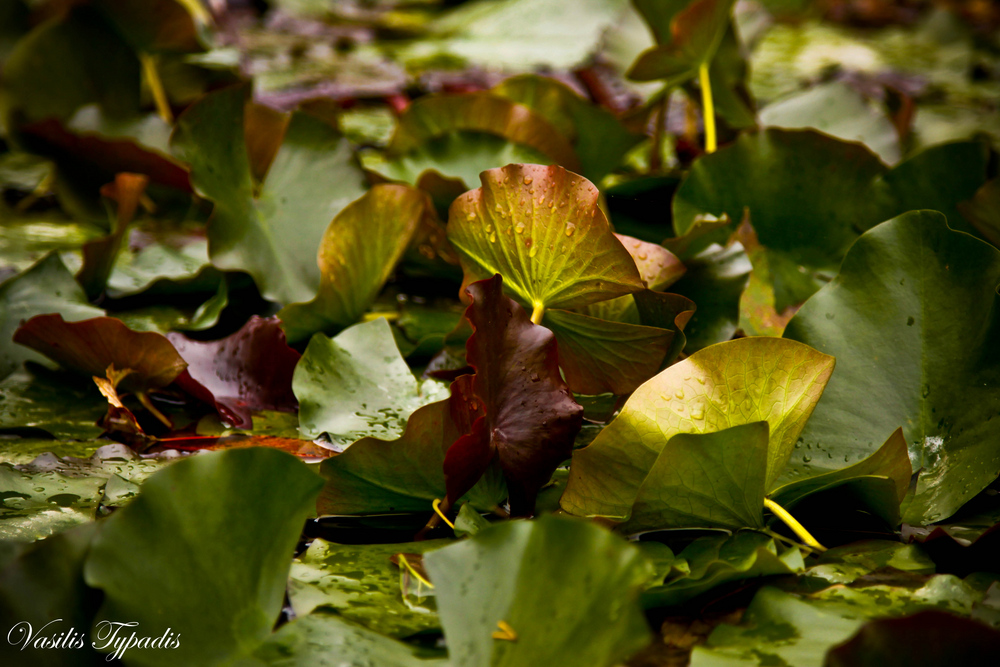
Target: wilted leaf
x=90 y=346
x=357 y=384
x=358 y=253
x=487 y=579
x=530 y=417
x=47 y=287
x=534 y=226
x=215 y=505
x=250 y=370
x=270 y=230
x=924 y=363
x=729 y=384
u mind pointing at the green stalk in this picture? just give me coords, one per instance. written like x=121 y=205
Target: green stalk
x=537 y=313
x=707 y=108
x=792 y=523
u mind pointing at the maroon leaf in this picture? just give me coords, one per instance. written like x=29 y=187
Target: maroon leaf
x=531 y=418
x=90 y=346
x=250 y=370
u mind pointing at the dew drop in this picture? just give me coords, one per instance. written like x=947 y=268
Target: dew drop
x=679 y=393
x=570 y=229
x=471 y=216
x=489 y=229
x=493 y=238
x=642 y=256
x=533 y=251
x=910 y=321
x=527 y=180
x=807 y=459
x=519 y=228
x=698 y=413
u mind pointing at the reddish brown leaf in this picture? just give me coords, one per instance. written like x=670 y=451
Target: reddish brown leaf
x=90 y=346
x=531 y=418
x=250 y=370
x=303 y=448
x=99 y=255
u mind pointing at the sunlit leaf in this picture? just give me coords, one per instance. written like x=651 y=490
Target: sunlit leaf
x=916 y=356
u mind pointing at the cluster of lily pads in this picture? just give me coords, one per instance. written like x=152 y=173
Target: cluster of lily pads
x=546 y=381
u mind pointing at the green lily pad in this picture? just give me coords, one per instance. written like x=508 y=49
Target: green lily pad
x=711 y=562
x=27 y=237
x=62 y=404
x=163 y=318
x=136 y=272
x=358 y=253
x=18 y=451
x=837 y=109
x=847 y=564
x=46 y=287
x=39 y=583
x=272 y=229
x=526 y=223
x=729 y=384
x=251 y=502
x=321 y=639
x=357 y=384
x=782 y=627
x=925 y=365
x=692 y=39
x=360 y=583
x=539 y=578
x=599 y=140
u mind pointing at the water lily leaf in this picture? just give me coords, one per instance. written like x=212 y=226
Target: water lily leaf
x=800 y=630
x=804 y=215
x=62 y=404
x=25 y=238
x=357 y=384
x=270 y=230
x=527 y=222
x=164 y=318
x=599 y=140
x=729 y=384
x=944 y=399
x=249 y=370
x=889 y=467
x=848 y=563
x=64 y=64
x=361 y=584
x=598 y=355
x=46 y=287
x=530 y=418
x=406 y=474
x=926 y=638
x=758 y=315
x=358 y=253
x=518 y=35
x=90 y=346
x=248 y=501
x=838 y=109
x=44 y=581
x=711 y=479
x=695 y=34
x=161 y=25
x=711 y=562
x=716 y=279
x=483 y=581
x=159 y=266
x=983 y=211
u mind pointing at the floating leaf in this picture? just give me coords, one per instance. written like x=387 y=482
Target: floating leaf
x=485 y=580
x=47 y=287
x=247 y=501
x=357 y=384
x=250 y=370
x=92 y=345
x=944 y=401
x=527 y=223
x=710 y=562
x=530 y=418
x=361 y=584
x=358 y=253
x=63 y=404
x=270 y=230
x=729 y=384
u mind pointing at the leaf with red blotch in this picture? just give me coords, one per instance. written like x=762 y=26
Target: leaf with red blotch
x=250 y=370
x=90 y=346
x=531 y=418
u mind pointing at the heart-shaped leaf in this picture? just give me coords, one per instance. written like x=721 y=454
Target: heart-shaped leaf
x=90 y=346
x=272 y=229
x=46 y=287
x=695 y=34
x=357 y=384
x=251 y=502
x=541 y=229
x=729 y=384
x=915 y=353
x=250 y=370
x=487 y=592
x=530 y=418
x=358 y=253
